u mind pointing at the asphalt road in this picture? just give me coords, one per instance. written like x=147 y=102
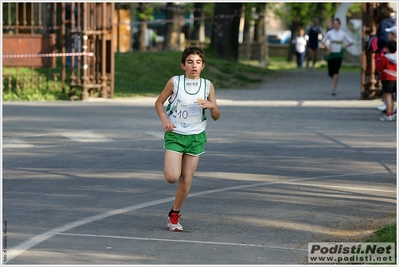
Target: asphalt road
x=286 y=164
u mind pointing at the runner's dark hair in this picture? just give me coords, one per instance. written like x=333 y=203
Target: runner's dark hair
x=192 y=50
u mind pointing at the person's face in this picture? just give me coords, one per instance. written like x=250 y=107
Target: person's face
x=301 y=32
x=391 y=36
x=336 y=25
x=193 y=66
x=315 y=22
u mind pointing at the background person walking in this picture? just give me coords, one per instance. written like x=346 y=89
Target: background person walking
x=336 y=38
x=300 y=47
x=314 y=35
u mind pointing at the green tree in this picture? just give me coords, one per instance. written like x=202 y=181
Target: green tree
x=201 y=11
x=144 y=14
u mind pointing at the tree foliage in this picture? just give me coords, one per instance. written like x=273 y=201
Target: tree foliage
x=302 y=13
x=355 y=8
x=145 y=11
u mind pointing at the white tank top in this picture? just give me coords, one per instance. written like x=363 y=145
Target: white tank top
x=182 y=109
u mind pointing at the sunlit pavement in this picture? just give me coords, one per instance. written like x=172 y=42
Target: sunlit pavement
x=83 y=181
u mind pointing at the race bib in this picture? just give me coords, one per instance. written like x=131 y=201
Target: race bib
x=188 y=113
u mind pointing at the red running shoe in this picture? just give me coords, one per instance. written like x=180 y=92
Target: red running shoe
x=173 y=222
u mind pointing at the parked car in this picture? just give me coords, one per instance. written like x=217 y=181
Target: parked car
x=278 y=37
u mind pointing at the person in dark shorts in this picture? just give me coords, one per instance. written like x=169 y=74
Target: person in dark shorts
x=387 y=73
x=314 y=35
x=339 y=40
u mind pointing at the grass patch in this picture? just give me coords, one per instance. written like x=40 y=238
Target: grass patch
x=386 y=233
x=143 y=73
x=146 y=73
x=280 y=63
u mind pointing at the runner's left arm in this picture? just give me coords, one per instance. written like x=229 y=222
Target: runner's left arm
x=211 y=103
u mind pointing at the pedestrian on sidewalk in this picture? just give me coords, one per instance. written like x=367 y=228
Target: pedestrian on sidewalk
x=339 y=40
x=387 y=73
x=184 y=123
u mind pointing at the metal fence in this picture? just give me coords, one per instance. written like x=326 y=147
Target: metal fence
x=80 y=34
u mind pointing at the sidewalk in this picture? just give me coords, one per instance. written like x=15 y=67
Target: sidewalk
x=287 y=88
x=300 y=85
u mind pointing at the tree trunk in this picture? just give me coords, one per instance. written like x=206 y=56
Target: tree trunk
x=143 y=36
x=255 y=56
x=226 y=30
x=247 y=34
x=173 y=29
x=133 y=14
x=267 y=58
x=247 y=37
x=263 y=60
x=198 y=24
